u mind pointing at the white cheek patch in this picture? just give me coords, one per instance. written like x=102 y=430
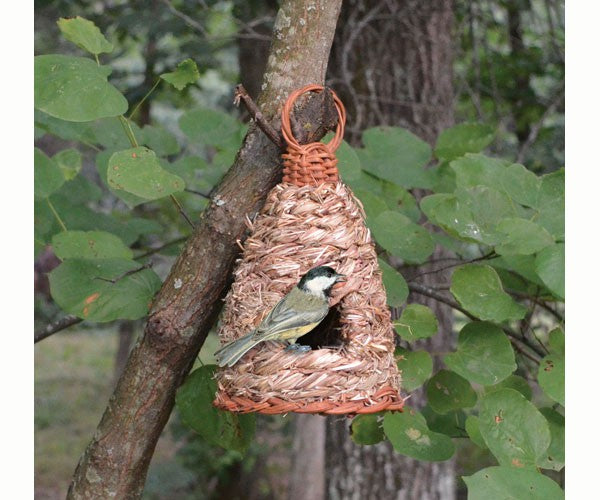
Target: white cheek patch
x=317 y=286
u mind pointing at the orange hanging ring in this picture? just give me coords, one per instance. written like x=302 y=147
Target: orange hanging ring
x=286 y=128
x=313 y=163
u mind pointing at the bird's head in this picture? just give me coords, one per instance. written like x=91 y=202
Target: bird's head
x=320 y=280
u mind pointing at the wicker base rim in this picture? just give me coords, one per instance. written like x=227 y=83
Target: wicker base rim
x=387 y=398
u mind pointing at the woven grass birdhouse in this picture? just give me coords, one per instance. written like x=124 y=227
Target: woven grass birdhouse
x=311 y=219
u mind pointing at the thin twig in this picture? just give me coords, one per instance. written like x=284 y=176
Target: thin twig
x=148 y=265
x=56 y=327
x=514 y=338
x=538 y=301
x=199 y=193
x=242 y=95
x=182 y=212
x=152 y=251
x=487 y=256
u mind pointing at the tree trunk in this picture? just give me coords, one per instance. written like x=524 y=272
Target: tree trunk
x=307 y=481
x=115 y=463
x=392 y=63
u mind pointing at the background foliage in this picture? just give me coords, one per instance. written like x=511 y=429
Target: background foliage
x=116 y=178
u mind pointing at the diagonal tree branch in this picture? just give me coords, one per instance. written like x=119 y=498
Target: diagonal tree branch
x=115 y=463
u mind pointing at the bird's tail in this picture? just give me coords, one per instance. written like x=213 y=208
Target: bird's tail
x=231 y=353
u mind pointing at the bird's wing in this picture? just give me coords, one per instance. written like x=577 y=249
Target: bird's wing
x=282 y=318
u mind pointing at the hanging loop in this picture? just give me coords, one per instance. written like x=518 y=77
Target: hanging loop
x=314 y=163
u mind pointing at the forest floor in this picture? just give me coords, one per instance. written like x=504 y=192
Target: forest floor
x=74 y=377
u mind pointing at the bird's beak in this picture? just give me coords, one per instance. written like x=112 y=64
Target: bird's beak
x=340 y=277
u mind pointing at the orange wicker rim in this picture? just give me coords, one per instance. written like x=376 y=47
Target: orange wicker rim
x=385 y=399
x=314 y=163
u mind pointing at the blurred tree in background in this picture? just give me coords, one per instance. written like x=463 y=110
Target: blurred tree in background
x=411 y=65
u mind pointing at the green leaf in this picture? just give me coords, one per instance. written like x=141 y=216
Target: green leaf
x=502 y=483
x=555 y=455
x=373 y=203
x=478 y=170
x=89 y=245
x=367 y=429
x=396 y=155
x=513 y=429
x=400 y=200
x=470 y=214
x=410 y=436
x=191 y=169
x=79 y=287
x=520 y=184
x=80 y=191
x=85 y=34
x=463 y=138
x=159 y=140
x=415 y=366
x=185 y=74
x=551 y=203
x=451 y=424
x=551 y=377
x=137 y=226
x=483 y=355
x=109 y=132
x=513 y=382
x=488 y=207
x=211 y=128
x=515 y=180
x=397 y=234
x=348 y=163
x=556 y=341
x=447 y=391
x=416 y=322
x=396 y=288
x=550 y=267
x=47 y=177
x=479 y=290
x=139 y=172
x=194 y=402
x=453 y=216
x=102 y=159
x=472 y=428
x=70 y=131
x=521 y=236
x=75 y=89
x=69 y=161
x=520 y=264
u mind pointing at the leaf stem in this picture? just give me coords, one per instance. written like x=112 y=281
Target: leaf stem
x=62 y=224
x=181 y=211
x=129 y=131
x=144 y=98
x=97 y=60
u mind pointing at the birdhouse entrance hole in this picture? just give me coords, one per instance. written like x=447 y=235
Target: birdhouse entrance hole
x=328 y=332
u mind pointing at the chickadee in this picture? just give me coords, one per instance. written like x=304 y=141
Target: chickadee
x=301 y=310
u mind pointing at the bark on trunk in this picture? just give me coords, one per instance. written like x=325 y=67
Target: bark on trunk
x=115 y=463
x=307 y=480
x=392 y=62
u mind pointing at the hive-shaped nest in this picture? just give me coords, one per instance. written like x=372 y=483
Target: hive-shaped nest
x=351 y=368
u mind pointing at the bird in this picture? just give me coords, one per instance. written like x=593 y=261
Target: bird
x=296 y=314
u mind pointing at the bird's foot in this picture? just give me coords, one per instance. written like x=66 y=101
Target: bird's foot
x=297 y=348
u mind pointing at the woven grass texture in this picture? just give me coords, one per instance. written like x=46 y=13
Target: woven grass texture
x=301 y=227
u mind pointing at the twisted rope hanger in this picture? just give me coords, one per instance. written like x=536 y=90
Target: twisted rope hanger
x=313 y=163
